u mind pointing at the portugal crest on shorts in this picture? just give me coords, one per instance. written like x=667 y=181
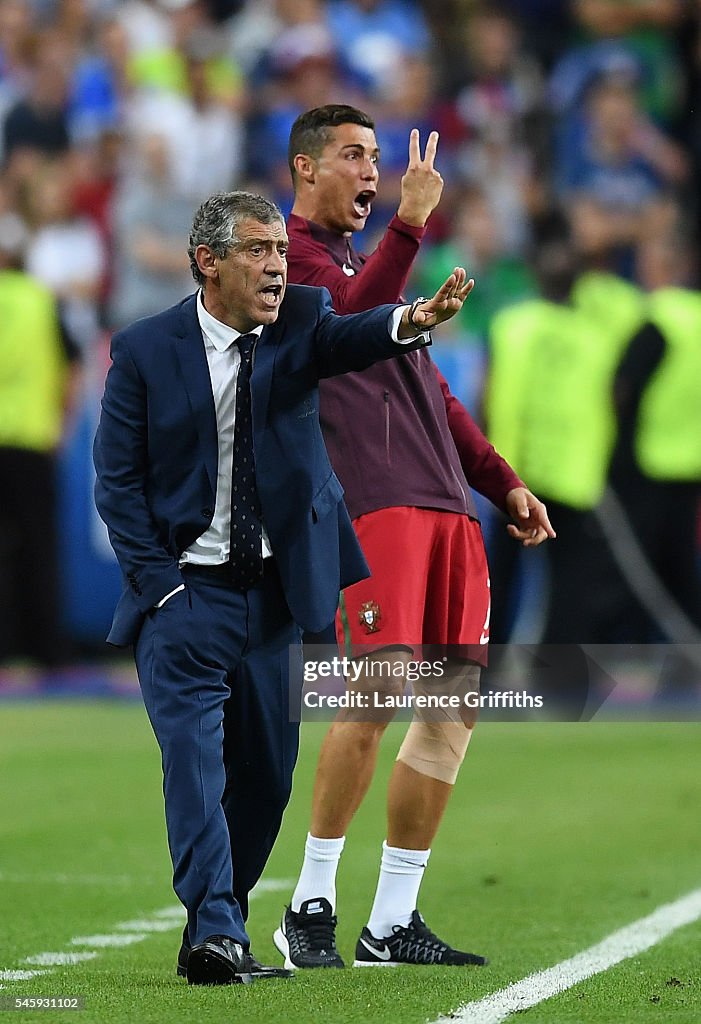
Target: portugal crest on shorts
x=369 y=616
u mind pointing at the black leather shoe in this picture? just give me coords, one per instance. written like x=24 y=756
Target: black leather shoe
x=183 y=954
x=259 y=970
x=256 y=967
x=221 y=961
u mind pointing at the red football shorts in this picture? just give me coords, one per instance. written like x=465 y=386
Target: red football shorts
x=429 y=584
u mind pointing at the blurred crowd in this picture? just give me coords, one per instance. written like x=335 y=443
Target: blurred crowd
x=570 y=144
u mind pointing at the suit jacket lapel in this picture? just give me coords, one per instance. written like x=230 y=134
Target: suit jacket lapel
x=195 y=370
x=266 y=351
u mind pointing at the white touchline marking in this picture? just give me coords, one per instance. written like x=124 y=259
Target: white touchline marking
x=271 y=885
x=19 y=975
x=103 y=941
x=60 y=878
x=629 y=941
x=58 y=959
x=176 y=912
x=164 y=924
x=126 y=932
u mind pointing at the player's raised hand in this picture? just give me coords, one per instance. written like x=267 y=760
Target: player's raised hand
x=427 y=313
x=421 y=185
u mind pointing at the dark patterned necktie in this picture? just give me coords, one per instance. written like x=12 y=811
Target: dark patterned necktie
x=245 y=557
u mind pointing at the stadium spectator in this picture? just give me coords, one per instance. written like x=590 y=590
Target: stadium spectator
x=39 y=375
x=201 y=121
x=66 y=251
x=147 y=24
x=495 y=79
x=163 y=66
x=213 y=621
x=691 y=126
x=631 y=38
x=656 y=464
x=73 y=22
x=492 y=121
x=406 y=452
x=16 y=27
x=549 y=408
x=265 y=24
x=101 y=84
x=544 y=26
x=375 y=37
x=150 y=218
x=303 y=69
x=38 y=121
x=96 y=173
x=405 y=102
x=615 y=182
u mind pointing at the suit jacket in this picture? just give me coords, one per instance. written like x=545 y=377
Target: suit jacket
x=156 y=451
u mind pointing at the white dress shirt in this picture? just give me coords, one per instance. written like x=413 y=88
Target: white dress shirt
x=224 y=360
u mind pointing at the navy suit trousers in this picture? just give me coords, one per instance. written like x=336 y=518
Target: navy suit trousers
x=214 y=670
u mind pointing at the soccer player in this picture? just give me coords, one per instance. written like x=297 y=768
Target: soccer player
x=405 y=450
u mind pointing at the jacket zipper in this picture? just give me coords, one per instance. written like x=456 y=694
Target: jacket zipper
x=462 y=489
x=385 y=396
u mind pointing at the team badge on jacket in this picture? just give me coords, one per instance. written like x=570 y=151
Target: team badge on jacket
x=369 y=616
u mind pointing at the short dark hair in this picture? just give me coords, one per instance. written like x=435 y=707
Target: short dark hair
x=312 y=131
x=217 y=220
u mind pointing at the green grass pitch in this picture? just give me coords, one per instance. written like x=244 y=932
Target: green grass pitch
x=556 y=835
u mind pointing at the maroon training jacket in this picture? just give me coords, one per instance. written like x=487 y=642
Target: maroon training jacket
x=395 y=433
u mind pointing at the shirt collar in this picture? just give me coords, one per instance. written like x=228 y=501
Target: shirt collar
x=335 y=243
x=220 y=335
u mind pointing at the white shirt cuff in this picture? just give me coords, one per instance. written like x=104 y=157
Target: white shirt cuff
x=394 y=319
x=168 y=596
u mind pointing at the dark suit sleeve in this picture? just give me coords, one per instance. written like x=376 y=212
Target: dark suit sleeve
x=356 y=341
x=121 y=463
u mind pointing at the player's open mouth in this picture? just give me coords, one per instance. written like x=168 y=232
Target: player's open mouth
x=363 y=202
x=272 y=294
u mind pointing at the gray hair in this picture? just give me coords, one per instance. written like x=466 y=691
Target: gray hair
x=217 y=221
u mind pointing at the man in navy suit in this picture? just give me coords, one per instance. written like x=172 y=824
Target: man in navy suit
x=229 y=526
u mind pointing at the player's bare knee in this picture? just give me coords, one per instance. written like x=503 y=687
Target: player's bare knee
x=367 y=732
x=382 y=673
x=435 y=749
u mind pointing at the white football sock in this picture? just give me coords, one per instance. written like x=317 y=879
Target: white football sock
x=317 y=878
x=401 y=872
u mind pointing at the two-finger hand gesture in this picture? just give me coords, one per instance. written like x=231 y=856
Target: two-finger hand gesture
x=421 y=185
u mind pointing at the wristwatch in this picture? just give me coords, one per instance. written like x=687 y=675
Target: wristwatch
x=414 y=306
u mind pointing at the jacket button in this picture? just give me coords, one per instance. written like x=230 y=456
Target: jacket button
x=207 y=513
